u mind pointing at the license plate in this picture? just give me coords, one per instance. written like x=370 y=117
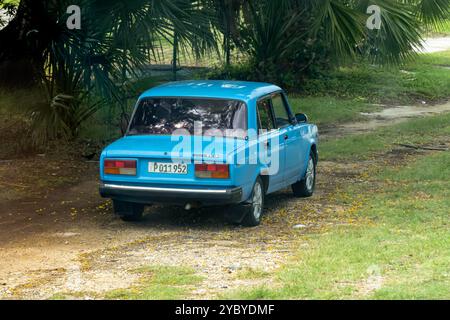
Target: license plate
x=172 y=168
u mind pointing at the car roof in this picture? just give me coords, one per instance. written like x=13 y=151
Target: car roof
x=215 y=89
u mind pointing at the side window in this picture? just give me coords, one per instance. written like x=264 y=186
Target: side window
x=265 y=115
x=280 y=111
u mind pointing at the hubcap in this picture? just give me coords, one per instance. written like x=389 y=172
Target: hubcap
x=310 y=174
x=257 y=200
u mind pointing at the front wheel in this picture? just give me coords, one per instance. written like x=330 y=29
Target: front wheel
x=254 y=212
x=305 y=187
x=128 y=211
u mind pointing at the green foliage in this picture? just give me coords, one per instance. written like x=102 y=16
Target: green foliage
x=422 y=79
x=288 y=41
x=59 y=119
x=243 y=71
x=16 y=129
x=269 y=38
x=399 y=34
x=80 y=74
x=284 y=42
x=84 y=70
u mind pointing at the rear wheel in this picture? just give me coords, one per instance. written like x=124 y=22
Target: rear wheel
x=128 y=211
x=254 y=212
x=305 y=187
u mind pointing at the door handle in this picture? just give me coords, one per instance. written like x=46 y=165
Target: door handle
x=286 y=137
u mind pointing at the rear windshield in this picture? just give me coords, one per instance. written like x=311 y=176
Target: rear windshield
x=163 y=116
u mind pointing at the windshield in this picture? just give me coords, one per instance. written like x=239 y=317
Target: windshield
x=163 y=116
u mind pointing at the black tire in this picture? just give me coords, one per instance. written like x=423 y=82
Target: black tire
x=254 y=210
x=128 y=211
x=305 y=187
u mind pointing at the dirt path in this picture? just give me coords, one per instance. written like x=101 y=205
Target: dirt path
x=67 y=240
x=432 y=45
x=386 y=117
x=40 y=257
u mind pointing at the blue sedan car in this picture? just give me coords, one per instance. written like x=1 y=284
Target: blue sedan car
x=203 y=143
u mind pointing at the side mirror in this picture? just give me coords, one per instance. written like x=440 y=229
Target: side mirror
x=301 y=118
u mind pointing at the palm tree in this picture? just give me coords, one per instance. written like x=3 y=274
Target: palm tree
x=85 y=69
x=227 y=22
x=293 y=35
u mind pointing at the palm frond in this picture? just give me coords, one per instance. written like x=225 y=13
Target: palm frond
x=342 y=26
x=433 y=12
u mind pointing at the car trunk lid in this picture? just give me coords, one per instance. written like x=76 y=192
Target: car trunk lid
x=151 y=149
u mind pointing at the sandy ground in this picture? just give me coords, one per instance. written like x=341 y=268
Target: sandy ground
x=66 y=239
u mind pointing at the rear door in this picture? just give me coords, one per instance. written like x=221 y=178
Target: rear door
x=271 y=143
x=290 y=133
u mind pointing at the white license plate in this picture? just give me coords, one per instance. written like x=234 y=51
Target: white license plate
x=172 y=168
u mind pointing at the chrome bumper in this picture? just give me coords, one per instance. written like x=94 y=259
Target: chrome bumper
x=152 y=194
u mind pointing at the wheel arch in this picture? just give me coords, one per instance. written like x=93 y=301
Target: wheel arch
x=266 y=180
x=315 y=152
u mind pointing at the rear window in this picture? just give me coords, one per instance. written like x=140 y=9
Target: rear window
x=163 y=116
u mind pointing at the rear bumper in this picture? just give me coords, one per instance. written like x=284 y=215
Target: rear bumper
x=147 y=195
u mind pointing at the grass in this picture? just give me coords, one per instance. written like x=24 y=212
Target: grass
x=330 y=110
x=155 y=283
x=368 y=145
x=159 y=283
x=422 y=79
x=252 y=274
x=400 y=250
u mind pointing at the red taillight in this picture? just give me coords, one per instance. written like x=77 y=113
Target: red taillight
x=125 y=167
x=214 y=171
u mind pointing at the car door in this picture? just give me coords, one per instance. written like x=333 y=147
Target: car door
x=289 y=131
x=271 y=143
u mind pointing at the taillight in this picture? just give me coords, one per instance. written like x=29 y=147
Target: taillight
x=125 y=167
x=214 y=171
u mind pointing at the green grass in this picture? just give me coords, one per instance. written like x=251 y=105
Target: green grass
x=422 y=79
x=252 y=273
x=403 y=253
x=364 y=146
x=330 y=110
x=159 y=283
x=155 y=283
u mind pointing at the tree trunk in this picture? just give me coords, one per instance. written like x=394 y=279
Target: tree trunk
x=23 y=41
x=175 y=56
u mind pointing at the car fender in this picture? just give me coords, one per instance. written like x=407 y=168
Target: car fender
x=312 y=137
